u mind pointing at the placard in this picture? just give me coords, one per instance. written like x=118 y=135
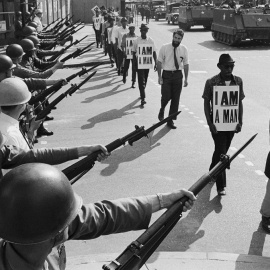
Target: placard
x=145 y=56
x=3 y=26
x=226 y=107
x=129 y=46
x=94 y=8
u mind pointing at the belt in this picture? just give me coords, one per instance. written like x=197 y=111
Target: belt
x=173 y=71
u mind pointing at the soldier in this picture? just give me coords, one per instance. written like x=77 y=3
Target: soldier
x=230 y=3
x=18 y=33
x=222 y=139
x=14 y=95
x=130 y=37
x=15 y=52
x=45 y=212
x=142 y=72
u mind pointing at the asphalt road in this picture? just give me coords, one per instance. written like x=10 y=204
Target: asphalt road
x=106 y=109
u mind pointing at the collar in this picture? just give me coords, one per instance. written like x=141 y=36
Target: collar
x=6 y=118
x=220 y=79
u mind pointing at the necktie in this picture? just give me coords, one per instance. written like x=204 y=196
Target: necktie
x=175 y=59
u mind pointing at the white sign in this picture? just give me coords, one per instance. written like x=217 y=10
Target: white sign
x=226 y=107
x=3 y=26
x=94 y=8
x=129 y=46
x=145 y=56
x=97 y=22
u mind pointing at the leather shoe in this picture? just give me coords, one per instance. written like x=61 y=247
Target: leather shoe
x=124 y=80
x=221 y=192
x=44 y=132
x=161 y=115
x=171 y=125
x=143 y=102
x=133 y=85
x=266 y=224
x=48 y=118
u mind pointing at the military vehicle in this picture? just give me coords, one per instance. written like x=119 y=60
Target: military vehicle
x=160 y=13
x=231 y=26
x=191 y=15
x=173 y=15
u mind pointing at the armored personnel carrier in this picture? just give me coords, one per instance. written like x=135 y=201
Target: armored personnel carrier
x=191 y=15
x=231 y=26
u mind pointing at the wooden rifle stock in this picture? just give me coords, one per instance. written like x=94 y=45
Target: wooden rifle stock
x=138 y=252
x=78 y=169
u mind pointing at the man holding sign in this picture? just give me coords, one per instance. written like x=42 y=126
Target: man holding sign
x=98 y=20
x=144 y=51
x=127 y=44
x=223 y=108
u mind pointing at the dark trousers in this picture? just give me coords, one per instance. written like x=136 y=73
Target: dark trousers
x=114 y=51
x=98 y=36
x=171 y=90
x=120 y=58
x=126 y=67
x=142 y=81
x=222 y=142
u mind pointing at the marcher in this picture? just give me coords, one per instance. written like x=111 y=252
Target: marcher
x=129 y=38
x=98 y=20
x=118 y=39
x=147 y=14
x=265 y=207
x=107 y=39
x=45 y=212
x=173 y=59
x=113 y=40
x=222 y=139
x=142 y=72
x=18 y=33
x=12 y=156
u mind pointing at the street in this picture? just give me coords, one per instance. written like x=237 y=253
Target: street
x=105 y=109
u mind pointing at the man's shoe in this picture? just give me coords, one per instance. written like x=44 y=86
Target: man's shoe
x=171 y=125
x=44 y=132
x=48 y=118
x=161 y=115
x=35 y=140
x=124 y=80
x=266 y=224
x=221 y=192
x=133 y=85
x=143 y=102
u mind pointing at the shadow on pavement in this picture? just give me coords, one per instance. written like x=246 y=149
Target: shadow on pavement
x=186 y=231
x=130 y=153
x=111 y=114
x=257 y=242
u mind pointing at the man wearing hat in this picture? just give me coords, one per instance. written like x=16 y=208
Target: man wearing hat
x=127 y=44
x=222 y=139
x=145 y=41
x=118 y=39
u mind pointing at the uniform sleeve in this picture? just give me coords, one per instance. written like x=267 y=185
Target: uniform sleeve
x=35 y=84
x=13 y=156
x=109 y=217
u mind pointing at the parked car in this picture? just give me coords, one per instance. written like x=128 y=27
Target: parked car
x=160 y=13
x=173 y=16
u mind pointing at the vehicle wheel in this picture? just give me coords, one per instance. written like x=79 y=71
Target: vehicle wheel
x=207 y=27
x=168 y=21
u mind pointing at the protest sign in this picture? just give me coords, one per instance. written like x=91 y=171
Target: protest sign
x=226 y=107
x=129 y=45
x=145 y=56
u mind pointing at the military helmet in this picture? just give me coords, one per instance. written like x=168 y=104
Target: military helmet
x=14 y=51
x=13 y=91
x=38 y=11
x=27 y=45
x=37 y=202
x=33 y=24
x=34 y=39
x=28 y=30
x=5 y=63
x=18 y=13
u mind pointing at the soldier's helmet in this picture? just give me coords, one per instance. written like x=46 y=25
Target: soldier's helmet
x=29 y=30
x=27 y=45
x=13 y=91
x=34 y=39
x=5 y=63
x=14 y=51
x=37 y=203
x=33 y=24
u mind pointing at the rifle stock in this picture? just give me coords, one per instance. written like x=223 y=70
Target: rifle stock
x=78 y=169
x=137 y=253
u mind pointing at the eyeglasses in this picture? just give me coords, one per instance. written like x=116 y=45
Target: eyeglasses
x=228 y=66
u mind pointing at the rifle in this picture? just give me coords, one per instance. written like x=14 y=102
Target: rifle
x=54 y=57
x=76 y=53
x=70 y=91
x=57 y=86
x=62 y=23
x=137 y=253
x=68 y=28
x=87 y=64
x=44 y=29
x=80 y=168
x=71 y=31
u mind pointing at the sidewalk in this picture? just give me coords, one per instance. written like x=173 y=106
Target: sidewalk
x=177 y=261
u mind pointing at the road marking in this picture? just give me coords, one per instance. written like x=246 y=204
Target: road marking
x=43 y=142
x=191 y=112
x=198 y=71
x=201 y=121
x=241 y=156
x=259 y=172
x=233 y=148
x=206 y=126
x=249 y=163
x=187 y=109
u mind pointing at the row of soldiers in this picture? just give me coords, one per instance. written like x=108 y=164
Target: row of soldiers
x=25 y=72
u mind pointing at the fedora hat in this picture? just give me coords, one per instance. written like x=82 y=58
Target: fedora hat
x=225 y=59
